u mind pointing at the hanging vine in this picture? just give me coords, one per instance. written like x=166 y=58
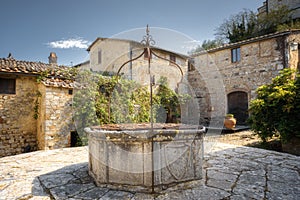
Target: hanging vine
x=37 y=105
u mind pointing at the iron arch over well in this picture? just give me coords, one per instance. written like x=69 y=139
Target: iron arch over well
x=238 y=105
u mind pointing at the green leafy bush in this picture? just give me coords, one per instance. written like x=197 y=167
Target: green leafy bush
x=110 y=100
x=276 y=110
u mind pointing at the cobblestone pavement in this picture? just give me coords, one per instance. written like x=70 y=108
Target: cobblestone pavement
x=230 y=172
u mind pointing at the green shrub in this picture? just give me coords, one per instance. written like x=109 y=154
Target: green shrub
x=276 y=110
x=110 y=100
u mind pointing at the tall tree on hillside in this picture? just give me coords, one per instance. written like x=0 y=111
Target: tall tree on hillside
x=238 y=27
x=246 y=24
x=206 y=45
x=273 y=20
x=209 y=44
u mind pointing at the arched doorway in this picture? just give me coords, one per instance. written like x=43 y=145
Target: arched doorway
x=238 y=105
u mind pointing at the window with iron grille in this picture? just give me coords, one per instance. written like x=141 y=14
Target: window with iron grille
x=7 y=86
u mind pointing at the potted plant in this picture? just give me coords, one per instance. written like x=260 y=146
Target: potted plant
x=229 y=121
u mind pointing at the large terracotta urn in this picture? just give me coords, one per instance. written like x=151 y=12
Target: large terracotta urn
x=229 y=121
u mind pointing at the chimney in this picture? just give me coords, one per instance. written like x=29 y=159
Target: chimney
x=52 y=58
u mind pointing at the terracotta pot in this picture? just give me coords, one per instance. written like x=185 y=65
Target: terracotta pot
x=229 y=122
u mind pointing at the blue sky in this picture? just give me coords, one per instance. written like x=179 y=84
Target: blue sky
x=31 y=29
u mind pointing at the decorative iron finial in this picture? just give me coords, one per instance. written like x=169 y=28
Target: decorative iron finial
x=147 y=30
x=147 y=39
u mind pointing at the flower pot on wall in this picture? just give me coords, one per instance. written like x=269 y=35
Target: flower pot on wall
x=229 y=121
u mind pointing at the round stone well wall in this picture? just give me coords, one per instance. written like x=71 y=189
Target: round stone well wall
x=135 y=157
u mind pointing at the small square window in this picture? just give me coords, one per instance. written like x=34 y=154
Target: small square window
x=99 y=56
x=172 y=58
x=236 y=55
x=191 y=66
x=7 y=86
x=70 y=91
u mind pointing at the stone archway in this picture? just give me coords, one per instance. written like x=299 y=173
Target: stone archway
x=238 y=105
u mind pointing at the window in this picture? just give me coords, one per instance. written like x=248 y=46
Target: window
x=191 y=66
x=99 y=56
x=236 y=55
x=172 y=58
x=7 y=86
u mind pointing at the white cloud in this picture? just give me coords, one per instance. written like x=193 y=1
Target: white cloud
x=193 y=41
x=190 y=45
x=69 y=43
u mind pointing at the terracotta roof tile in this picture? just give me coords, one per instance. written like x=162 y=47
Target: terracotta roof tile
x=12 y=65
x=58 y=83
x=56 y=74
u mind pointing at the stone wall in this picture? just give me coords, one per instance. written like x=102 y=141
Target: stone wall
x=20 y=132
x=293 y=52
x=55 y=122
x=159 y=68
x=215 y=76
x=17 y=125
x=201 y=96
x=115 y=52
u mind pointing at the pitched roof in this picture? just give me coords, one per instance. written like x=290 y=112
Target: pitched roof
x=56 y=75
x=251 y=40
x=55 y=82
x=138 y=44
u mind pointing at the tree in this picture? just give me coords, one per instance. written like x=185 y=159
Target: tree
x=238 y=27
x=293 y=24
x=276 y=110
x=206 y=45
x=246 y=24
x=270 y=22
x=167 y=98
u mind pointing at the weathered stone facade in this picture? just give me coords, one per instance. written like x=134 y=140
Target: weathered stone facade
x=215 y=76
x=146 y=161
x=36 y=115
x=108 y=55
x=55 y=121
x=17 y=125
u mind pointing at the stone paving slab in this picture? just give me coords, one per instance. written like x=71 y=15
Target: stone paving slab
x=230 y=172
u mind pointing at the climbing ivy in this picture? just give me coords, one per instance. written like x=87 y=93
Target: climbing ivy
x=43 y=75
x=104 y=100
x=37 y=105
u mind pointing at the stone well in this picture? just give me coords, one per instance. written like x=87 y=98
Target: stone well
x=134 y=157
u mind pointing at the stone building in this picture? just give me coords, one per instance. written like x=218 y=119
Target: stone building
x=107 y=55
x=225 y=79
x=38 y=114
x=34 y=115
x=269 y=5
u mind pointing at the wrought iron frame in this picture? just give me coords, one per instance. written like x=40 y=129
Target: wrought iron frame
x=148 y=42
